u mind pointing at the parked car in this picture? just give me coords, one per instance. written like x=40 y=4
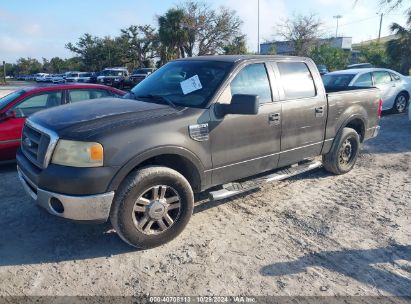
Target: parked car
x=195 y=124
x=58 y=78
x=72 y=76
x=139 y=75
x=359 y=66
x=322 y=69
x=41 y=77
x=82 y=77
x=115 y=77
x=93 y=77
x=17 y=106
x=395 y=88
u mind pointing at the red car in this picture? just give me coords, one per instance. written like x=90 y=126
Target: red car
x=17 y=106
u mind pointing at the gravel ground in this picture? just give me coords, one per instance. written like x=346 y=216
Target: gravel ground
x=316 y=234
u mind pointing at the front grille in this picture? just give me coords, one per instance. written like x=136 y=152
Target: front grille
x=34 y=145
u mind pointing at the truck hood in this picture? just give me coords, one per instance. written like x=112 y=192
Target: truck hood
x=92 y=117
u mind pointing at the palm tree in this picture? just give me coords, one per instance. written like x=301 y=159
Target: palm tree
x=172 y=34
x=400 y=49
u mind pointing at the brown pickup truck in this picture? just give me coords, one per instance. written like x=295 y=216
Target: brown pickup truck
x=225 y=123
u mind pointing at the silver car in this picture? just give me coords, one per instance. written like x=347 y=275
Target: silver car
x=395 y=88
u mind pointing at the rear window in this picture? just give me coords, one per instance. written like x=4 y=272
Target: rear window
x=296 y=80
x=6 y=100
x=337 y=80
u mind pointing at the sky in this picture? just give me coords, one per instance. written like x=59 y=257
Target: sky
x=33 y=28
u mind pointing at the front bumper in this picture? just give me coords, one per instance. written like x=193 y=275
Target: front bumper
x=95 y=208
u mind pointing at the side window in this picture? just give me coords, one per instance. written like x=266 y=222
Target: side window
x=99 y=94
x=395 y=77
x=79 y=95
x=364 y=80
x=37 y=103
x=252 y=80
x=296 y=80
x=382 y=77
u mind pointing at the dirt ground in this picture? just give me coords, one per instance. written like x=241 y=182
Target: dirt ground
x=316 y=234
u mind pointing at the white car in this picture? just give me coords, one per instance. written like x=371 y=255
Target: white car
x=395 y=88
x=41 y=77
x=58 y=78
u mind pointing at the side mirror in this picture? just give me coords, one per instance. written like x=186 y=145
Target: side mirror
x=7 y=115
x=240 y=104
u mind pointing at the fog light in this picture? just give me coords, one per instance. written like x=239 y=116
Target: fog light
x=56 y=205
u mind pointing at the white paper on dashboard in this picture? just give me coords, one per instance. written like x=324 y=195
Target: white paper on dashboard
x=191 y=84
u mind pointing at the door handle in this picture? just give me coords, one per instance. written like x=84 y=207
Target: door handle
x=274 y=118
x=319 y=112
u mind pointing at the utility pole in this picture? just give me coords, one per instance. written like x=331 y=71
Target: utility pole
x=337 y=17
x=4 y=71
x=258 y=28
x=379 y=32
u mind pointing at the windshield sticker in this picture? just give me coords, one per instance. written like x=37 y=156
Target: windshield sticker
x=191 y=84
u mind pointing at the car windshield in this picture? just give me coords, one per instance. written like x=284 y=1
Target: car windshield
x=184 y=83
x=6 y=100
x=337 y=80
x=112 y=73
x=74 y=75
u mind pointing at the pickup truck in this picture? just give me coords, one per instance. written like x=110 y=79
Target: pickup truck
x=222 y=124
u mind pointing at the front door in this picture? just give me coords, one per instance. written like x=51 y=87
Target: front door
x=243 y=145
x=304 y=112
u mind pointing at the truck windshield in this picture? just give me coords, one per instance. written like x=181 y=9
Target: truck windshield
x=185 y=83
x=6 y=100
x=112 y=73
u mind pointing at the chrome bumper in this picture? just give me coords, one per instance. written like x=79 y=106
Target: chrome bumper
x=79 y=208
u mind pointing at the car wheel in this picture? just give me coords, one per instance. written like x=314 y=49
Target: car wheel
x=152 y=207
x=344 y=152
x=400 y=104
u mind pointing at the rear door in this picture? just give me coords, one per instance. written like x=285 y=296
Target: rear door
x=304 y=111
x=243 y=145
x=383 y=81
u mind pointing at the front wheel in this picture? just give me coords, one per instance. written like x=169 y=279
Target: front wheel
x=400 y=104
x=344 y=152
x=152 y=207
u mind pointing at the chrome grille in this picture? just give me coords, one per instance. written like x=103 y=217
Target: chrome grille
x=37 y=144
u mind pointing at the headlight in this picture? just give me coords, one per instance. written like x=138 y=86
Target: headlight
x=78 y=154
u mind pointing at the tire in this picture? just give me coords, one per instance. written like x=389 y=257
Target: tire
x=344 y=152
x=400 y=104
x=155 y=197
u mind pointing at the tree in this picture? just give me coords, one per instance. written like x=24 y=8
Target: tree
x=302 y=32
x=374 y=53
x=208 y=31
x=141 y=43
x=399 y=49
x=332 y=57
x=194 y=28
x=28 y=66
x=237 y=47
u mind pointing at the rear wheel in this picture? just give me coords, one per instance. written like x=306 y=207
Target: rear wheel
x=344 y=152
x=400 y=104
x=152 y=207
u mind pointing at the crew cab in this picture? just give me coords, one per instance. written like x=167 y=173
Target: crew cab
x=197 y=124
x=20 y=104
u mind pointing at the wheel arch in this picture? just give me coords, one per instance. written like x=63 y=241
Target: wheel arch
x=182 y=160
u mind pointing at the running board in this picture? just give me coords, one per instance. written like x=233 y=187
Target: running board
x=233 y=189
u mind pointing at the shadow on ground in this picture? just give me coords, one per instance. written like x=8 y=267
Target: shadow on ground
x=357 y=264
